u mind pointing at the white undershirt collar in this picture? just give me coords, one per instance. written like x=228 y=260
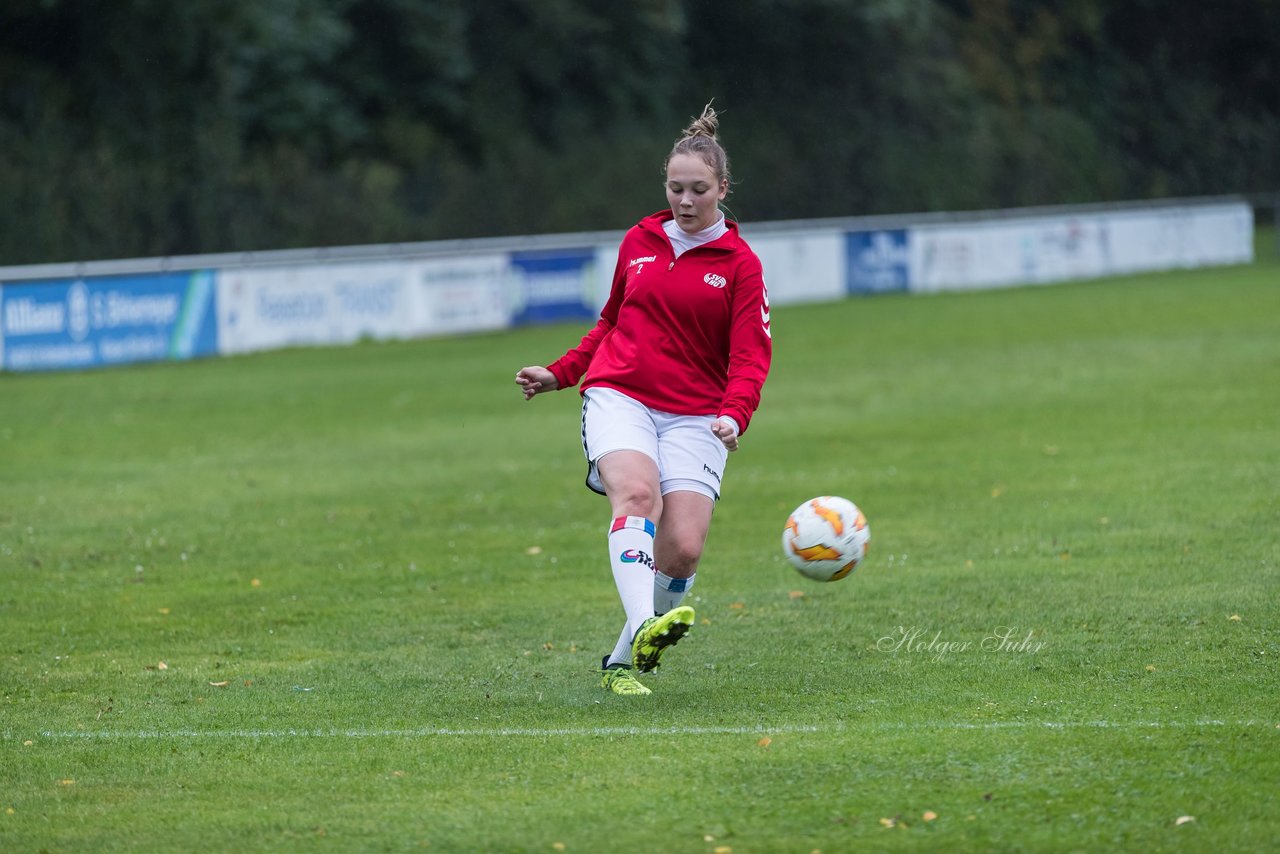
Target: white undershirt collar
x=682 y=241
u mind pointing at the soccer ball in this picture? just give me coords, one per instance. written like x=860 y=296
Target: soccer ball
x=826 y=537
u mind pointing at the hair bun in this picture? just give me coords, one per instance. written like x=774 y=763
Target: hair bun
x=705 y=125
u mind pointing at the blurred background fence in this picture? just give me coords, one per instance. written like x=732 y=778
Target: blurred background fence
x=63 y=316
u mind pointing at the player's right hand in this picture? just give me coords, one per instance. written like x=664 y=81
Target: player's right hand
x=535 y=380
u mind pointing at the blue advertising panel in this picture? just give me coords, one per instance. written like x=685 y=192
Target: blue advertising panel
x=81 y=323
x=878 y=261
x=555 y=285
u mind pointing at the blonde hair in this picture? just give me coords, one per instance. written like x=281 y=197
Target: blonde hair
x=699 y=139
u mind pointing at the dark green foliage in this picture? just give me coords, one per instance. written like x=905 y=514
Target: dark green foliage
x=140 y=127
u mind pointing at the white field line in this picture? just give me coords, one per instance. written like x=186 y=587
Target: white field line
x=595 y=732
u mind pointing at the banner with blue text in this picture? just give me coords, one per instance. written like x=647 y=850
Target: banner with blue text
x=81 y=323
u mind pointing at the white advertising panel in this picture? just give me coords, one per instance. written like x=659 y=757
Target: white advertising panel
x=261 y=309
x=807 y=267
x=1032 y=250
x=463 y=293
x=1002 y=253
x=1182 y=237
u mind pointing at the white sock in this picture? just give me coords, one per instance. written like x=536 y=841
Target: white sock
x=631 y=555
x=622 y=649
x=669 y=592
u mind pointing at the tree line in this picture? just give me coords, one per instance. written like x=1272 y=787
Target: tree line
x=149 y=127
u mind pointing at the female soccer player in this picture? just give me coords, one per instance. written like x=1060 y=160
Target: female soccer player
x=670 y=377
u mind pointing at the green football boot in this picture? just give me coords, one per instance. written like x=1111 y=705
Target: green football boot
x=620 y=680
x=657 y=634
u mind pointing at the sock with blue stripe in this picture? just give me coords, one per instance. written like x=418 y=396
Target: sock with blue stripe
x=669 y=592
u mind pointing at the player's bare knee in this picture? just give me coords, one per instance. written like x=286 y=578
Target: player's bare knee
x=637 y=498
x=681 y=560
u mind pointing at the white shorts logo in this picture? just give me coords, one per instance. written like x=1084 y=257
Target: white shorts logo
x=714 y=280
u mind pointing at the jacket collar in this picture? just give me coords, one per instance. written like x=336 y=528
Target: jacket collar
x=728 y=242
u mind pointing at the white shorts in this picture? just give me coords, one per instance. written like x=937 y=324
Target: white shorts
x=689 y=456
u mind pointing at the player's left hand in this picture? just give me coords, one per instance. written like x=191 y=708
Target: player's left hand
x=726 y=430
x=536 y=379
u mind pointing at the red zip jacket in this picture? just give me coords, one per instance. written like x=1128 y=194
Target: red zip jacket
x=688 y=336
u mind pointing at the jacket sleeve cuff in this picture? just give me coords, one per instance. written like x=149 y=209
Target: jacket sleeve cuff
x=740 y=418
x=562 y=379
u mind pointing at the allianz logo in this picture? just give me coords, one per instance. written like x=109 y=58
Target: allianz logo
x=30 y=316
x=26 y=316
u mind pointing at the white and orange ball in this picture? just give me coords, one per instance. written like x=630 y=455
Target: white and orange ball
x=826 y=538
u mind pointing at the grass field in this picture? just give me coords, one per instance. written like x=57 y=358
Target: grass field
x=354 y=599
